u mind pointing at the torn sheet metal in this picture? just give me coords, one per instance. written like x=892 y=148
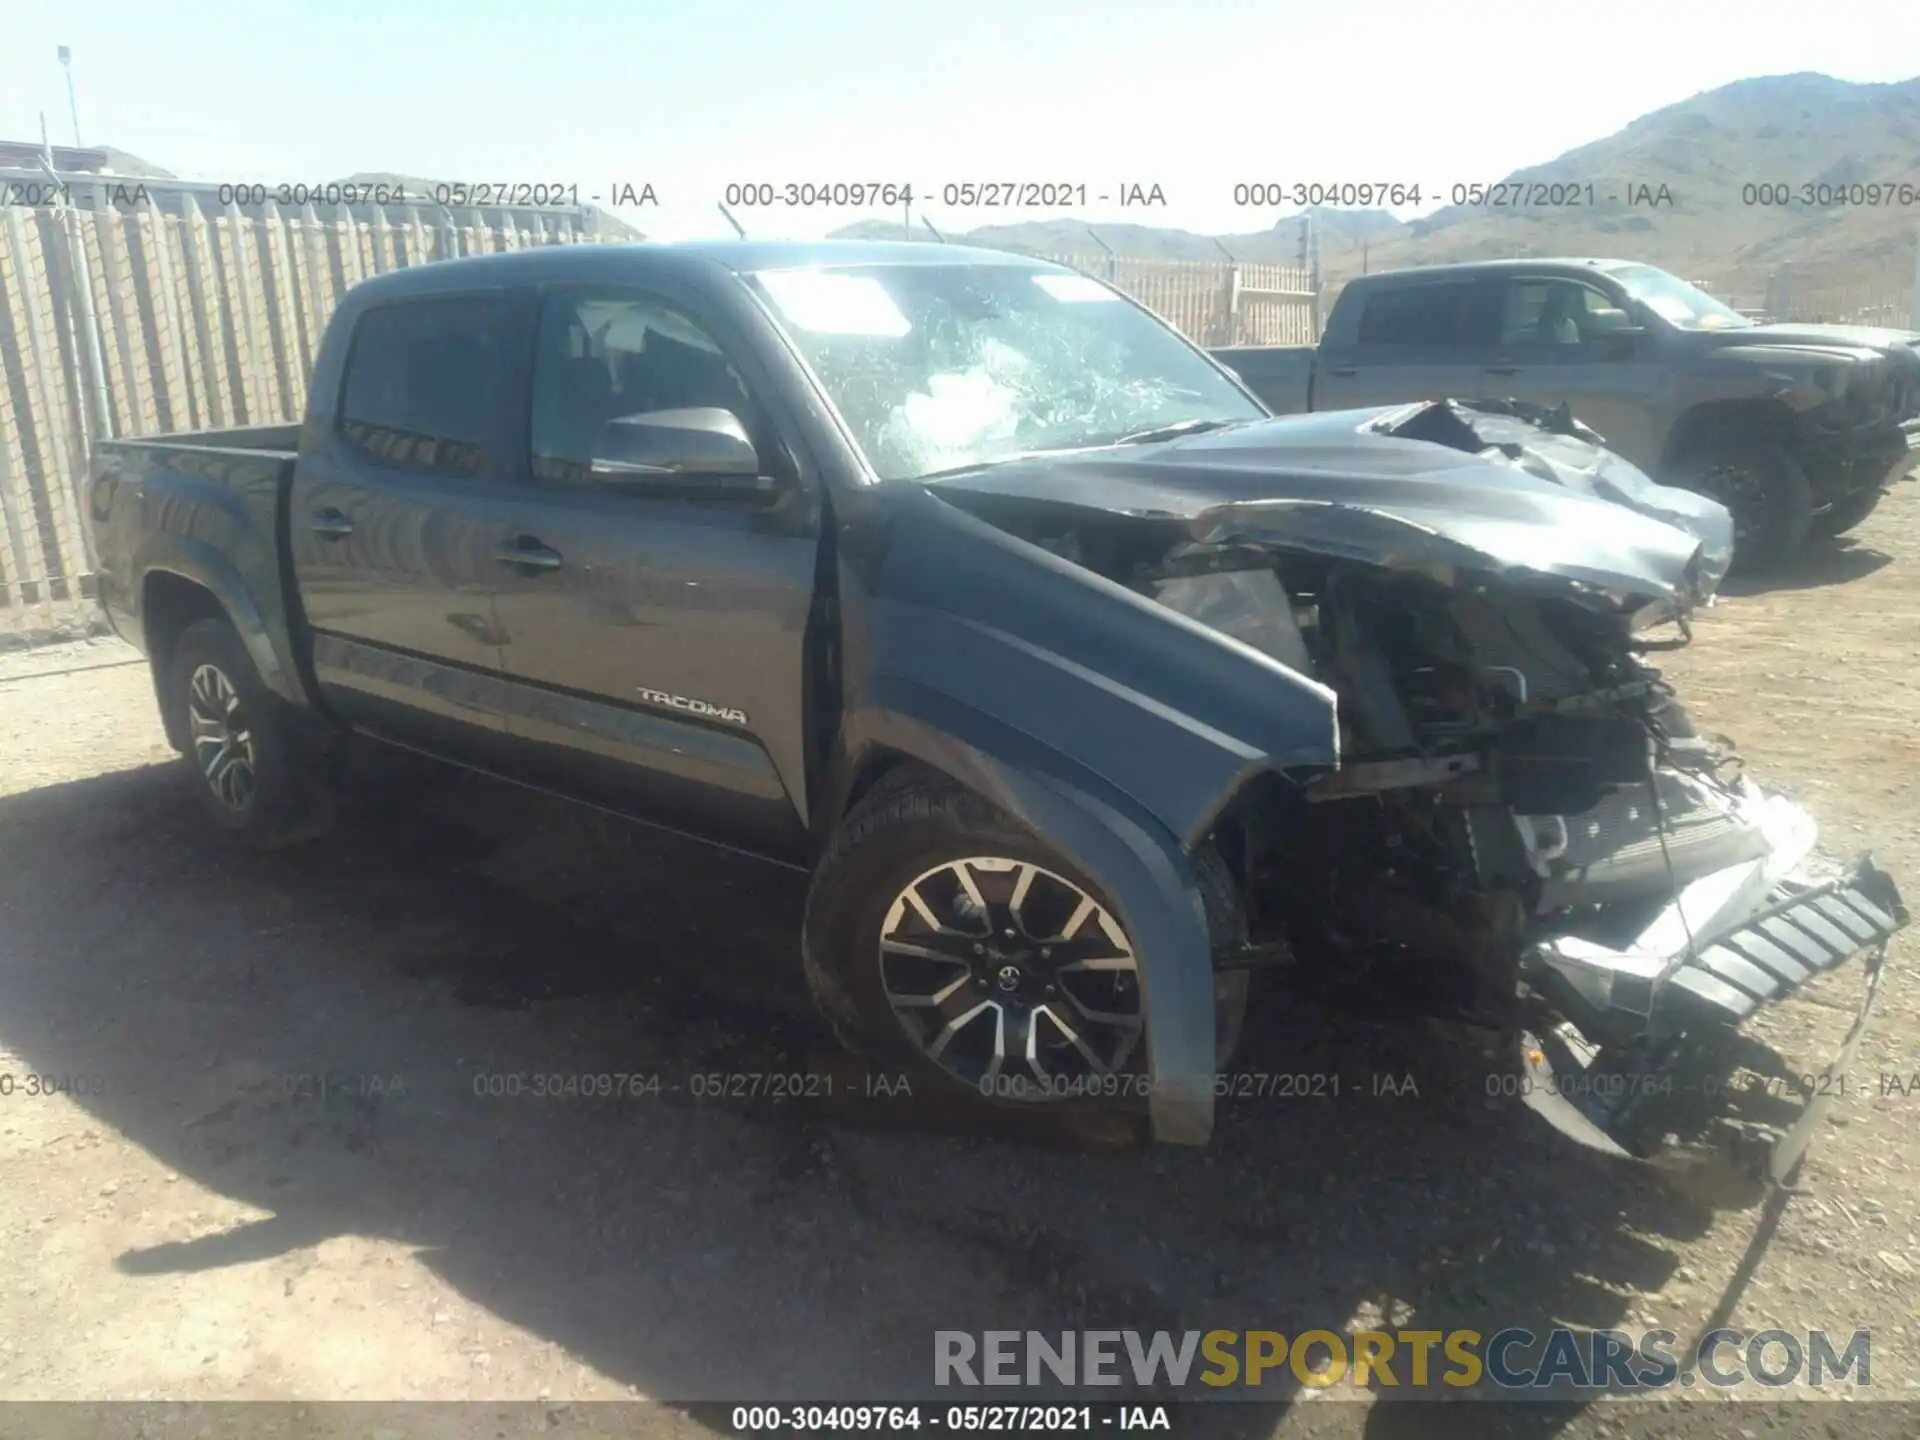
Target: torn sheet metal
x=1549 y=512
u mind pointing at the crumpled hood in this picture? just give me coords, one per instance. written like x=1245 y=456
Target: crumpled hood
x=1411 y=487
x=1789 y=332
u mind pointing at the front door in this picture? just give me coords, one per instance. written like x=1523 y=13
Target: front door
x=658 y=646
x=1559 y=345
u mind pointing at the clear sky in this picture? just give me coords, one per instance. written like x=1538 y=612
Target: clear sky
x=1193 y=95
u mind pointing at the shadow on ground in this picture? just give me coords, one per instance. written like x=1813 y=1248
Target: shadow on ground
x=1837 y=561
x=702 y=1248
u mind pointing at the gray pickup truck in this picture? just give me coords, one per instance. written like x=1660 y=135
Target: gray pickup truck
x=1797 y=429
x=1085 y=691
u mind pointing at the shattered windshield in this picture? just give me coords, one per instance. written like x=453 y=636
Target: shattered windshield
x=945 y=367
x=1684 y=306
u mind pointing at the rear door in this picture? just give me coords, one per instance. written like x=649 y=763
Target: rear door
x=658 y=646
x=396 y=511
x=1424 y=340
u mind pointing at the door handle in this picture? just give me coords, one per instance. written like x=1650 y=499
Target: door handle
x=330 y=524
x=1346 y=372
x=526 y=552
x=1503 y=369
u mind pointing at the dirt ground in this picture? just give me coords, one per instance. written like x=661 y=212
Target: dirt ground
x=274 y=1170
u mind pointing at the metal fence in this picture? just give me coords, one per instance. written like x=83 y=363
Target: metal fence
x=174 y=312
x=1887 y=303
x=1214 y=303
x=136 y=307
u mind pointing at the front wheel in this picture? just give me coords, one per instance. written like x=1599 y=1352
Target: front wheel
x=943 y=937
x=1764 y=489
x=1843 y=515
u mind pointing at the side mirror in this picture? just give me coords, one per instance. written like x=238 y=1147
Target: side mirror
x=699 y=451
x=1621 y=342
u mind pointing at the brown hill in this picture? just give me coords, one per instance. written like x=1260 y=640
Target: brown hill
x=1775 y=130
x=1784 y=131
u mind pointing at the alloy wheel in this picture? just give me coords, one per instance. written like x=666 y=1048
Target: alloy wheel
x=1743 y=490
x=222 y=739
x=1011 y=978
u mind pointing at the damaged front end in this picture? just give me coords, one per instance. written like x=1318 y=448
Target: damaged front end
x=1524 y=829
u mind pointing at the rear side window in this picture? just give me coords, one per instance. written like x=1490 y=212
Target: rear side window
x=419 y=386
x=1459 y=315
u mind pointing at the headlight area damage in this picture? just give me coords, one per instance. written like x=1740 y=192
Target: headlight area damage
x=1523 y=829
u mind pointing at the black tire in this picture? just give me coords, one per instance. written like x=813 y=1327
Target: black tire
x=909 y=826
x=250 y=775
x=1843 y=515
x=1764 y=489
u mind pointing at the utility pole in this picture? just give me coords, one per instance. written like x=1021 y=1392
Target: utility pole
x=73 y=105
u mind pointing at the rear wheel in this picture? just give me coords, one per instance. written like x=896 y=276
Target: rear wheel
x=243 y=752
x=1764 y=489
x=943 y=937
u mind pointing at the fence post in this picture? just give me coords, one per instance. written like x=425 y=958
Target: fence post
x=166 y=318
x=203 y=296
x=240 y=278
x=382 y=241
x=123 y=318
x=45 y=414
x=1913 y=301
x=30 y=567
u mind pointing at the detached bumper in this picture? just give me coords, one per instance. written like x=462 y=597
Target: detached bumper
x=1634 y=1096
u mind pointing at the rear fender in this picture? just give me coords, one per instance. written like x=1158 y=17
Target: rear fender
x=201 y=563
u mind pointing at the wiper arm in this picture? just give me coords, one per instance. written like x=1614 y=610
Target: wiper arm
x=1174 y=431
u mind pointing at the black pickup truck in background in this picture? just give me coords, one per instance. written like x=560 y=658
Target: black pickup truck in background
x=1085 y=690
x=1797 y=429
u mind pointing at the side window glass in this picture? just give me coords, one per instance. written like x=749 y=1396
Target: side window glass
x=1556 y=313
x=420 y=382
x=603 y=358
x=1452 y=315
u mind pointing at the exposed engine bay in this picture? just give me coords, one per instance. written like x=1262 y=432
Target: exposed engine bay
x=1521 y=827
x=1525 y=830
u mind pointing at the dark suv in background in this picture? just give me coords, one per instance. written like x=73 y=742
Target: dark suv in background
x=1797 y=429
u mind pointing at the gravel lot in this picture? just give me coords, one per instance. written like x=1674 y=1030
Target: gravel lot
x=277 y=1177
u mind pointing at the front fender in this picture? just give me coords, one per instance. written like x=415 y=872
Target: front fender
x=1112 y=727
x=1164 y=710
x=1136 y=863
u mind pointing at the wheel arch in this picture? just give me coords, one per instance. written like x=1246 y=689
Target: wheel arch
x=169 y=603
x=1138 y=863
x=1716 y=420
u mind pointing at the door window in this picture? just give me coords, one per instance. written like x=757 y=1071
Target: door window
x=419 y=388
x=603 y=358
x=1556 y=313
x=1437 y=315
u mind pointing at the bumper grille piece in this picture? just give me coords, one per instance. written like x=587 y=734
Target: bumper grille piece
x=1804 y=933
x=1615 y=850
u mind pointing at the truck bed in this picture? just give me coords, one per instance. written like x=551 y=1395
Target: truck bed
x=277 y=439
x=203 y=507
